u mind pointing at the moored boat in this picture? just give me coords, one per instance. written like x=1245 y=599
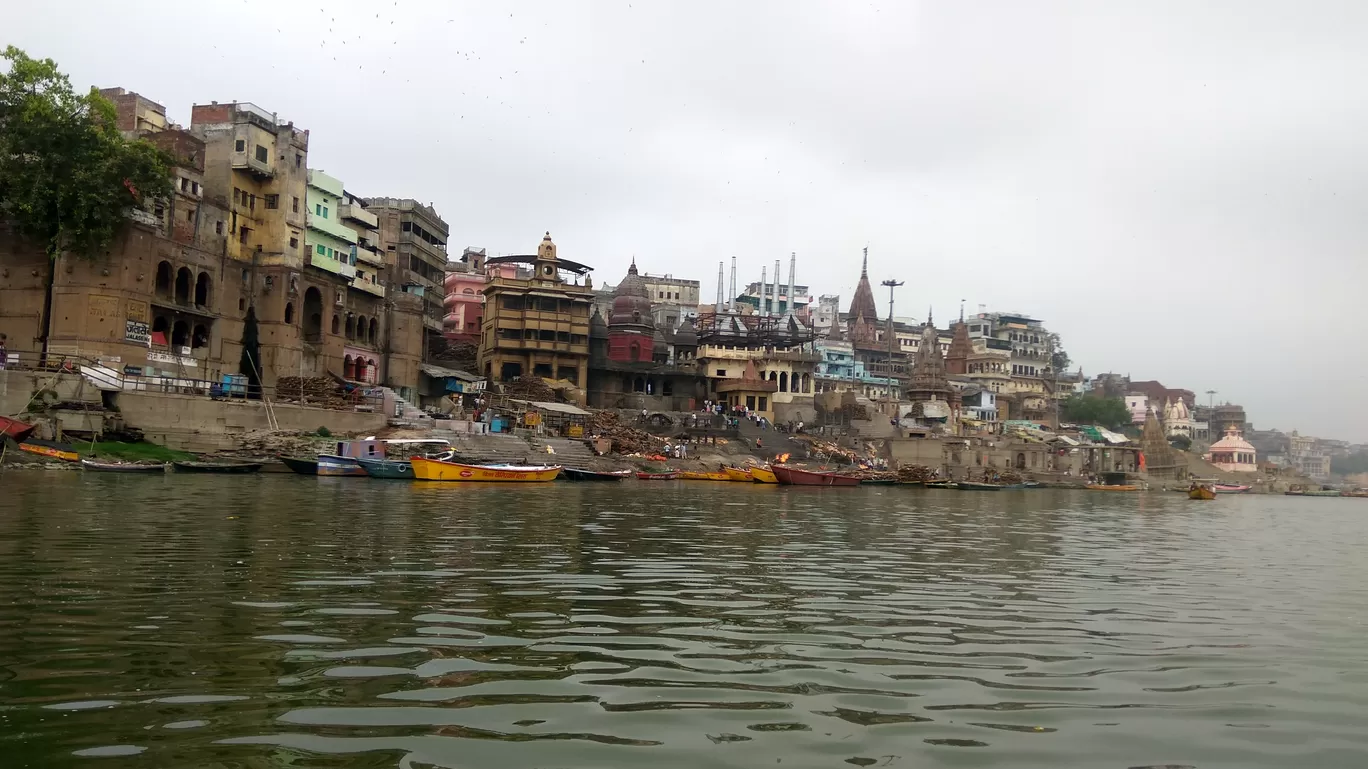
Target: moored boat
x=1229 y=488
x=15 y=430
x=122 y=467
x=437 y=470
x=689 y=475
x=1113 y=487
x=666 y=476
x=334 y=465
x=792 y=476
x=579 y=474
x=975 y=486
x=217 y=467
x=940 y=484
x=301 y=465
x=396 y=469
x=763 y=475
x=52 y=449
x=879 y=482
x=738 y=474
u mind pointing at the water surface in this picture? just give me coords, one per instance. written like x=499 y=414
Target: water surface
x=284 y=621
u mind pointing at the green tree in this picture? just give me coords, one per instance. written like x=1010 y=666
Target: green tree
x=249 y=365
x=1059 y=358
x=1110 y=413
x=1180 y=442
x=67 y=176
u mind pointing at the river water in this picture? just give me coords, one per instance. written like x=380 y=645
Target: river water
x=281 y=621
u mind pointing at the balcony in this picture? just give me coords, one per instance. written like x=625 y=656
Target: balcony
x=377 y=289
x=334 y=266
x=438 y=251
x=369 y=255
x=246 y=161
x=359 y=215
x=331 y=227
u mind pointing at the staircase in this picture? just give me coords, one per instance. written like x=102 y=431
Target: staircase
x=408 y=415
x=510 y=449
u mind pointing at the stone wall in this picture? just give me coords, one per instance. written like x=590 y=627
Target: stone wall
x=195 y=423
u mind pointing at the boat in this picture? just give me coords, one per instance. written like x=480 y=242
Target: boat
x=792 y=476
x=1359 y=493
x=975 y=486
x=217 y=467
x=1320 y=493
x=579 y=474
x=1113 y=487
x=879 y=482
x=689 y=475
x=738 y=474
x=1201 y=491
x=50 y=449
x=1229 y=488
x=15 y=430
x=666 y=476
x=334 y=465
x=763 y=475
x=401 y=469
x=437 y=470
x=301 y=465
x=940 y=484
x=122 y=467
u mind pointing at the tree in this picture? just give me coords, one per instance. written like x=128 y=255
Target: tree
x=1110 y=413
x=1059 y=359
x=1180 y=442
x=67 y=176
x=249 y=365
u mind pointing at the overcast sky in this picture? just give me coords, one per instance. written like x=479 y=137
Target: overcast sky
x=1180 y=189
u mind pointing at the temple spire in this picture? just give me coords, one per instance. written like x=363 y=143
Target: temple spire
x=864 y=266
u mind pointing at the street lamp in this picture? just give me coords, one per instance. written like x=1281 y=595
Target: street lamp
x=892 y=284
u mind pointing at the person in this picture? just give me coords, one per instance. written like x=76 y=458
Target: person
x=4 y=353
x=759 y=443
x=668 y=449
x=683 y=451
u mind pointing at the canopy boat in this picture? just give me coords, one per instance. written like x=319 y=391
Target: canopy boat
x=400 y=469
x=578 y=474
x=122 y=467
x=738 y=474
x=217 y=467
x=763 y=475
x=666 y=476
x=792 y=476
x=332 y=464
x=1201 y=491
x=437 y=470
x=52 y=449
x=973 y=486
x=301 y=465
x=1229 y=488
x=15 y=430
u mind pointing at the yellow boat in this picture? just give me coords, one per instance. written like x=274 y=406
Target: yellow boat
x=1199 y=491
x=738 y=474
x=436 y=470
x=1113 y=487
x=685 y=475
x=763 y=475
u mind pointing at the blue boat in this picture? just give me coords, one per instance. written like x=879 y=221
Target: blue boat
x=331 y=464
x=400 y=469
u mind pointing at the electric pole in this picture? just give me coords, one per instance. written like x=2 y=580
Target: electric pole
x=892 y=284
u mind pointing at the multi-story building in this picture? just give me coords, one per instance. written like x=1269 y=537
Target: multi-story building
x=781 y=350
x=537 y=325
x=413 y=239
x=673 y=300
x=1030 y=342
x=364 y=327
x=825 y=313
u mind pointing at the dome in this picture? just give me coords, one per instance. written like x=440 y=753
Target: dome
x=1232 y=442
x=631 y=301
x=598 y=327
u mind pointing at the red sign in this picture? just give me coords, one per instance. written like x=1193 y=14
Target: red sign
x=466 y=474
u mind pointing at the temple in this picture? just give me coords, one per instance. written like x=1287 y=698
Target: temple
x=1233 y=453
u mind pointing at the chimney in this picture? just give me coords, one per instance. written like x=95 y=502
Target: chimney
x=762 y=290
x=731 y=297
x=793 y=268
x=720 y=285
x=774 y=303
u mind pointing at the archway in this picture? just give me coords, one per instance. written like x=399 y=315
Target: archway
x=335 y=324
x=639 y=385
x=351 y=327
x=783 y=381
x=289 y=312
x=1021 y=461
x=203 y=284
x=199 y=337
x=183 y=281
x=313 y=315
x=807 y=383
x=360 y=369
x=180 y=334
x=348 y=368
x=361 y=327
x=160 y=325
x=373 y=332
x=163 y=284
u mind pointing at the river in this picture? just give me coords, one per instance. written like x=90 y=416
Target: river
x=281 y=621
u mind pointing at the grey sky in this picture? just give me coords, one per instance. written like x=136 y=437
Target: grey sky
x=1177 y=188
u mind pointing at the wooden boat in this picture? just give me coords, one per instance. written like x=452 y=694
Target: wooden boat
x=689 y=475
x=974 y=486
x=122 y=467
x=1229 y=488
x=792 y=476
x=437 y=470
x=399 y=469
x=763 y=475
x=578 y=474
x=940 y=484
x=334 y=465
x=668 y=476
x=301 y=465
x=738 y=474
x=1360 y=493
x=1321 y=493
x=15 y=430
x=1199 y=491
x=50 y=449
x=879 y=482
x=1113 y=487
x=217 y=467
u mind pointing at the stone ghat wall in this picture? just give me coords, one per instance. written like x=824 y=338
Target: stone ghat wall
x=194 y=423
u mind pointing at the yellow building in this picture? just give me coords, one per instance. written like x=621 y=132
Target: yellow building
x=537 y=325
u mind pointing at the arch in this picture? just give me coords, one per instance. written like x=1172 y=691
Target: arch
x=807 y=383
x=361 y=327
x=468 y=291
x=199 y=337
x=160 y=325
x=639 y=385
x=372 y=333
x=773 y=376
x=351 y=327
x=336 y=324
x=163 y=284
x=360 y=369
x=348 y=367
x=289 y=312
x=783 y=381
x=180 y=334
x=1021 y=461
x=371 y=370
x=183 y=281
x=203 y=289
x=635 y=352
x=313 y=315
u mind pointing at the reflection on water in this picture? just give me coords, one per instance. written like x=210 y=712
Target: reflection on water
x=289 y=621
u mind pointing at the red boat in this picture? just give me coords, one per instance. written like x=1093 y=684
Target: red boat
x=15 y=430
x=657 y=476
x=792 y=476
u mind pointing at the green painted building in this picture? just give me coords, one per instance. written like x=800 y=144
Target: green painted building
x=331 y=245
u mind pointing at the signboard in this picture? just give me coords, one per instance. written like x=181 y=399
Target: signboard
x=99 y=308
x=161 y=357
x=137 y=332
x=132 y=370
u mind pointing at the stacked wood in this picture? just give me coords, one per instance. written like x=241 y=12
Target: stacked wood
x=873 y=475
x=914 y=473
x=529 y=388
x=316 y=391
x=626 y=439
x=1009 y=477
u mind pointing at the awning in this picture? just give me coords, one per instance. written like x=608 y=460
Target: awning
x=557 y=408
x=437 y=372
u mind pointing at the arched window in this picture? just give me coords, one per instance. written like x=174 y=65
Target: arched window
x=160 y=325
x=289 y=312
x=361 y=327
x=348 y=368
x=336 y=323
x=783 y=381
x=361 y=369
x=313 y=315
x=163 y=285
x=373 y=332
x=180 y=334
x=468 y=291
x=351 y=327
x=199 y=337
x=203 y=285
x=183 y=281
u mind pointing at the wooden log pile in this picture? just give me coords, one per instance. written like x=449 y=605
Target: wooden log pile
x=316 y=391
x=914 y=473
x=626 y=439
x=873 y=475
x=529 y=388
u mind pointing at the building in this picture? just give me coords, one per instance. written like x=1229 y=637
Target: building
x=934 y=403
x=537 y=325
x=1178 y=419
x=1233 y=453
x=1306 y=457
x=781 y=349
x=1138 y=405
x=980 y=410
x=464 y=300
x=748 y=390
x=413 y=239
x=825 y=313
x=364 y=326
x=672 y=299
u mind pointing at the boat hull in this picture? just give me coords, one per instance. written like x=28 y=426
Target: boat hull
x=50 y=449
x=301 y=465
x=657 y=476
x=392 y=469
x=687 y=475
x=972 y=486
x=792 y=476
x=15 y=430
x=738 y=475
x=121 y=467
x=1102 y=487
x=237 y=468
x=335 y=466
x=434 y=470
x=763 y=475
x=1201 y=492
x=1230 y=489
x=578 y=474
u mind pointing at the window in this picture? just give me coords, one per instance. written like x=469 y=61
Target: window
x=294 y=243
x=190 y=215
x=296 y=204
x=406 y=226
x=325 y=212
x=185 y=184
x=240 y=146
x=218 y=228
x=721 y=372
x=318 y=209
x=331 y=255
x=251 y=202
x=194 y=187
x=262 y=155
x=299 y=160
x=273 y=201
x=289 y=312
x=321 y=250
